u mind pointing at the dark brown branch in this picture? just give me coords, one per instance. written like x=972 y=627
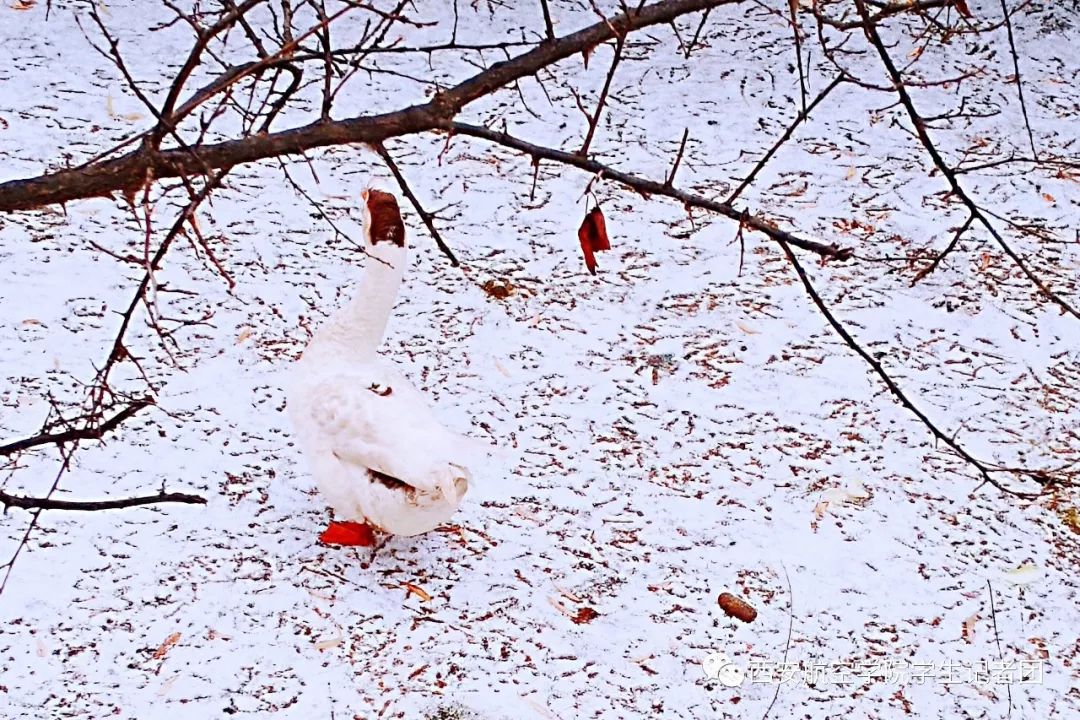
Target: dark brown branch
x=870 y=30
x=594 y=121
x=253 y=36
x=948 y=249
x=548 y=27
x=793 y=6
x=697 y=34
x=886 y=10
x=1016 y=77
x=787 y=643
x=899 y=394
x=1043 y=162
x=118 y=352
x=35 y=514
x=650 y=187
x=799 y=119
x=997 y=637
x=31 y=503
x=319 y=209
x=167 y=121
x=92 y=432
x=278 y=105
x=678 y=158
x=417 y=49
x=328 y=62
x=370 y=43
x=428 y=218
x=128 y=171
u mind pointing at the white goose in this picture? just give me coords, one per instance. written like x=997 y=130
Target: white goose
x=378 y=454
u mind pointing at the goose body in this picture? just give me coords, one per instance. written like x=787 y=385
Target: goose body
x=376 y=450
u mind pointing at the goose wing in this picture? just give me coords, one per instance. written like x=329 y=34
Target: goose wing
x=380 y=423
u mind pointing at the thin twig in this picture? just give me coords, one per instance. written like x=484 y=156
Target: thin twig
x=997 y=640
x=948 y=249
x=66 y=452
x=787 y=643
x=427 y=217
x=548 y=27
x=90 y=432
x=799 y=119
x=793 y=6
x=678 y=158
x=118 y=352
x=167 y=122
x=697 y=33
x=603 y=96
x=1017 y=78
x=328 y=62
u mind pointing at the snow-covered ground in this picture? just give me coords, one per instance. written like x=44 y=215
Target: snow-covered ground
x=761 y=458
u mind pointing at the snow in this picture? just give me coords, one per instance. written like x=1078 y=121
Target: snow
x=642 y=495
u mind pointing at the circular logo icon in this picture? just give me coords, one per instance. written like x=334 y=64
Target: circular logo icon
x=718 y=666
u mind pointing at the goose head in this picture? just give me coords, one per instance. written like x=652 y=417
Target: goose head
x=382 y=219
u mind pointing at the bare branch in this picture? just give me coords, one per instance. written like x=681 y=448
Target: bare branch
x=548 y=28
x=603 y=97
x=167 y=120
x=128 y=171
x=678 y=158
x=1017 y=79
x=650 y=187
x=793 y=6
x=870 y=30
x=948 y=249
x=428 y=218
x=118 y=351
x=90 y=432
x=31 y=503
x=983 y=470
x=697 y=34
x=785 y=137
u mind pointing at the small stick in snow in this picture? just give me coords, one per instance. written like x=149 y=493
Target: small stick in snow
x=32 y=503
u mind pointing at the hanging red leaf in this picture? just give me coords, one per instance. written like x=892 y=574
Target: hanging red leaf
x=348 y=533
x=962 y=7
x=593 y=237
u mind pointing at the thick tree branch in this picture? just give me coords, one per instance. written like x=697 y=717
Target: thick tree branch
x=128 y=172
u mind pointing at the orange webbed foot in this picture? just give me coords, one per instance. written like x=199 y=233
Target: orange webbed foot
x=348 y=533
